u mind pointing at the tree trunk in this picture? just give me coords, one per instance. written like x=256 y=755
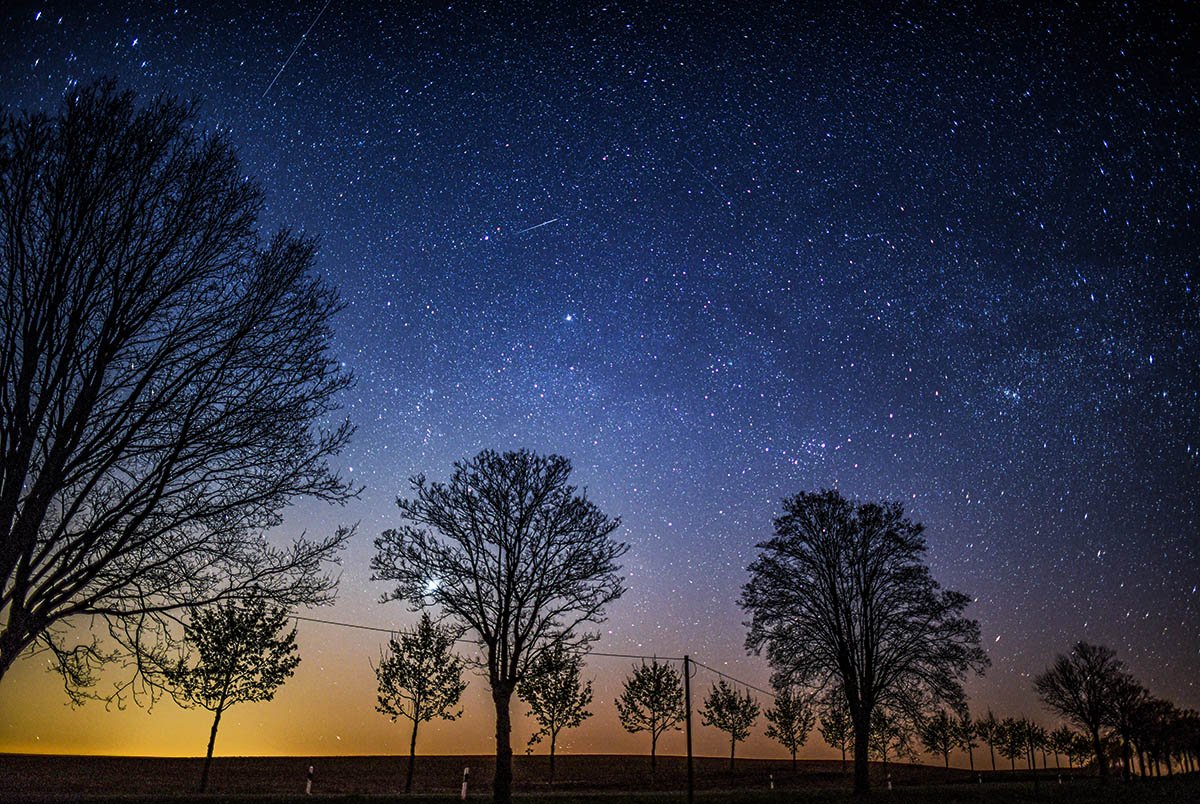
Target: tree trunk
x=862 y=778
x=843 y=757
x=1098 y=749
x=502 y=781
x=992 y=751
x=553 y=740
x=412 y=759
x=793 y=760
x=212 y=739
x=971 y=756
x=1126 y=759
x=653 y=755
x=732 y=746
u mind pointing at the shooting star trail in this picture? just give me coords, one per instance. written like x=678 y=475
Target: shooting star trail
x=728 y=200
x=538 y=226
x=303 y=36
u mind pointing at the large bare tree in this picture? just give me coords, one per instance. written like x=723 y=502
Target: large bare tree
x=841 y=599
x=164 y=382
x=1080 y=687
x=515 y=554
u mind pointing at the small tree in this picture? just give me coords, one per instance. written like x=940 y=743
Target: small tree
x=790 y=720
x=939 y=735
x=891 y=736
x=243 y=655
x=652 y=701
x=731 y=712
x=1011 y=740
x=1080 y=687
x=420 y=678
x=964 y=735
x=557 y=696
x=836 y=729
x=1060 y=743
x=988 y=729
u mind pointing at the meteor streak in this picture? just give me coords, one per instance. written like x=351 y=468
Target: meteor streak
x=537 y=226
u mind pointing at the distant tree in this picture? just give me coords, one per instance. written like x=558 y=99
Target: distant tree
x=964 y=735
x=1079 y=687
x=988 y=729
x=836 y=729
x=558 y=698
x=1080 y=749
x=1127 y=702
x=790 y=720
x=939 y=734
x=841 y=598
x=165 y=382
x=1039 y=740
x=512 y=552
x=651 y=701
x=1060 y=743
x=1010 y=739
x=243 y=654
x=420 y=678
x=731 y=712
x=891 y=736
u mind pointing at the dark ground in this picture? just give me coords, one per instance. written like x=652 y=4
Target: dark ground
x=591 y=779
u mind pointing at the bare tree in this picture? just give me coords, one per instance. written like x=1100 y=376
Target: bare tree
x=731 y=712
x=1080 y=688
x=164 y=370
x=513 y=553
x=420 y=678
x=652 y=701
x=1010 y=739
x=1127 y=701
x=243 y=655
x=836 y=729
x=558 y=698
x=841 y=599
x=790 y=720
x=891 y=735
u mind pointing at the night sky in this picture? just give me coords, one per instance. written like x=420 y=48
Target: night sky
x=716 y=257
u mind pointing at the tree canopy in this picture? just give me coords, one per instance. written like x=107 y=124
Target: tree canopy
x=164 y=380
x=652 y=701
x=1080 y=687
x=557 y=696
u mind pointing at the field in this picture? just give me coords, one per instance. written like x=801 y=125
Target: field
x=581 y=779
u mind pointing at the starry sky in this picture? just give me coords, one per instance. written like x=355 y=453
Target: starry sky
x=716 y=256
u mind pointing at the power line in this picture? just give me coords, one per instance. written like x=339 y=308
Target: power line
x=605 y=654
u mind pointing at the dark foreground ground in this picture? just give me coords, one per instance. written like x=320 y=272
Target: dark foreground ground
x=580 y=780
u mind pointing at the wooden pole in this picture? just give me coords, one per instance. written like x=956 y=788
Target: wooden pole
x=687 y=706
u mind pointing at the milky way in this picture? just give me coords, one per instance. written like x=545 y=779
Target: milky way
x=947 y=257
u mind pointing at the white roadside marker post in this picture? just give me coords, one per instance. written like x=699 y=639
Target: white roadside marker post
x=308 y=783
x=466 y=779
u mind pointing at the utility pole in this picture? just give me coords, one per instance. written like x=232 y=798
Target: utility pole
x=687 y=708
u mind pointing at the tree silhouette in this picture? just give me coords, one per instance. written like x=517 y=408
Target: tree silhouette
x=731 y=712
x=513 y=553
x=964 y=735
x=420 y=678
x=988 y=729
x=836 y=729
x=1126 y=703
x=890 y=736
x=163 y=377
x=1060 y=743
x=790 y=720
x=557 y=696
x=939 y=734
x=841 y=598
x=651 y=701
x=1079 y=687
x=1011 y=740
x=243 y=655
